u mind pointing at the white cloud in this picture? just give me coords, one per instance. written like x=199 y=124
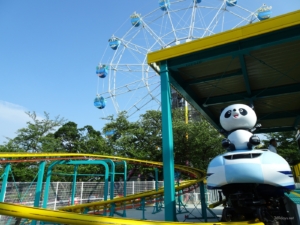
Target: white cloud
x=12 y=118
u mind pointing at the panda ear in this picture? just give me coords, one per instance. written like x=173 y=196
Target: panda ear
x=251 y=106
x=222 y=110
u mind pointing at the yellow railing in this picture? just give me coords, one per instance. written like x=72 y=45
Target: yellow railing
x=69 y=214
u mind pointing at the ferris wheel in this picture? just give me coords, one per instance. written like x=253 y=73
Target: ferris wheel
x=125 y=80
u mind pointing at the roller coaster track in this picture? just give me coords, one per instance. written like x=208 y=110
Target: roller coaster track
x=69 y=214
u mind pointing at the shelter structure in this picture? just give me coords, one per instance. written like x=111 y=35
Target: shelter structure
x=257 y=64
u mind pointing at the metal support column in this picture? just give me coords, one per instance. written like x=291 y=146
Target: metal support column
x=74 y=184
x=167 y=144
x=4 y=182
x=203 y=201
x=48 y=180
x=39 y=187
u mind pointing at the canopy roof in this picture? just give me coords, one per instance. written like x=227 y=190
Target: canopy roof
x=256 y=64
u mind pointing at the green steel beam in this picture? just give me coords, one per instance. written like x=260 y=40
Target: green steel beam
x=74 y=183
x=48 y=180
x=237 y=48
x=77 y=163
x=274 y=129
x=258 y=94
x=228 y=74
x=4 y=182
x=80 y=174
x=190 y=96
x=203 y=201
x=100 y=162
x=245 y=73
x=277 y=115
x=125 y=183
x=39 y=186
x=297 y=122
x=112 y=179
x=167 y=144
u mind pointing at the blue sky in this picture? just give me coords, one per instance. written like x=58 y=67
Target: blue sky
x=49 y=51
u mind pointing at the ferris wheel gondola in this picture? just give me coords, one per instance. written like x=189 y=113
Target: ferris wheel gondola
x=99 y=102
x=102 y=71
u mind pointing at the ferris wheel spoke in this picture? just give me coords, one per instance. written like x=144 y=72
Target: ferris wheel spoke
x=194 y=10
x=154 y=35
x=214 y=18
x=172 y=26
x=129 y=67
x=136 y=107
x=130 y=87
x=237 y=15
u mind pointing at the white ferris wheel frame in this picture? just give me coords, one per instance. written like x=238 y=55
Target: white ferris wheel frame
x=147 y=77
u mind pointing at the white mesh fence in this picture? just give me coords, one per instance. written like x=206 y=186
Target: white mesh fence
x=60 y=193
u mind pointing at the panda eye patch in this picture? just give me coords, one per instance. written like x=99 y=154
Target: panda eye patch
x=227 y=114
x=243 y=111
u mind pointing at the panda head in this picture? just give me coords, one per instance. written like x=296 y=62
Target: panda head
x=237 y=116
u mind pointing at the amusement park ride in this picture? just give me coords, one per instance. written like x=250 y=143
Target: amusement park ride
x=253 y=181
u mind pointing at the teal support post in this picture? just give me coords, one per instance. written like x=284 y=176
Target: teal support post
x=4 y=182
x=143 y=204
x=74 y=184
x=167 y=144
x=203 y=201
x=125 y=185
x=48 y=179
x=124 y=177
x=95 y=162
x=39 y=187
x=112 y=180
x=39 y=184
x=157 y=206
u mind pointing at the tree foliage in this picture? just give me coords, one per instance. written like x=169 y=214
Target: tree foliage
x=196 y=142
x=45 y=135
x=37 y=136
x=287 y=145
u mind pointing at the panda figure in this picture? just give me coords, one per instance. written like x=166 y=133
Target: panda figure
x=238 y=122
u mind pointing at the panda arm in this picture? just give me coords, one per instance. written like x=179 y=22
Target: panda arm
x=224 y=132
x=257 y=127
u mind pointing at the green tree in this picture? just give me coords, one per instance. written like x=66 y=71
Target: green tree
x=123 y=140
x=68 y=137
x=36 y=137
x=287 y=145
x=91 y=141
x=196 y=143
x=81 y=140
x=143 y=139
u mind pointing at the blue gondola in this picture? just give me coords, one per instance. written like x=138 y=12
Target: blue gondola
x=231 y=2
x=110 y=133
x=264 y=12
x=197 y=1
x=102 y=71
x=100 y=102
x=164 y=5
x=114 y=43
x=136 y=19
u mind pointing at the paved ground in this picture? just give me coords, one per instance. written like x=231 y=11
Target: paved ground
x=189 y=213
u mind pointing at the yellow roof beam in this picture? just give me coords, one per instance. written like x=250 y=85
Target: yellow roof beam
x=251 y=30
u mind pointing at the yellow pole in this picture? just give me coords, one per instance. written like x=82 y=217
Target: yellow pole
x=186 y=113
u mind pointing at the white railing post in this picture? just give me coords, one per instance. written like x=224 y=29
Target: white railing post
x=133 y=187
x=55 y=199
x=81 y=192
